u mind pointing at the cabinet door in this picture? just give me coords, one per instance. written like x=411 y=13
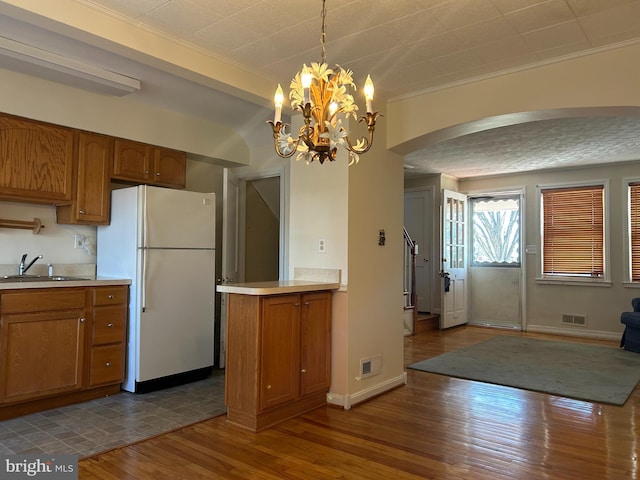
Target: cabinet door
x=36 y=160
x=92 y=199
x=170 y=167
x=279 y=351
x=131 y=160
x=42 y=354
x=315 y=355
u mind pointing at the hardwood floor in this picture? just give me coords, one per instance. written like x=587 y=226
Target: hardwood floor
x=435 y=427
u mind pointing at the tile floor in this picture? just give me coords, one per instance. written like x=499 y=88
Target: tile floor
x=99 y=425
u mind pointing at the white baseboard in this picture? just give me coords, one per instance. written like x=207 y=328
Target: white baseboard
x=347 y=401
x=575 y=332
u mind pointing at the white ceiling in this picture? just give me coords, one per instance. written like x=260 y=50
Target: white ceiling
x=406 y=45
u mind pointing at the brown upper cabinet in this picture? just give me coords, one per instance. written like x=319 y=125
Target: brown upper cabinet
x=72 y=169
x=92 y=197
x=141 y=163
x=36 y=161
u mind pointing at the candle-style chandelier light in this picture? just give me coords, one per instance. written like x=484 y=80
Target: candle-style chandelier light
x=321 y=94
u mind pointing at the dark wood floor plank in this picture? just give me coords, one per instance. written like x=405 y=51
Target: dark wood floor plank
x=435 y=427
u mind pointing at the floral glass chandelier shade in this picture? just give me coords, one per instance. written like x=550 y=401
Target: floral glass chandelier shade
x=321 y=94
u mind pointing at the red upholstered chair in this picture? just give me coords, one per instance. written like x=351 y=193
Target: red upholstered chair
x=631 y=336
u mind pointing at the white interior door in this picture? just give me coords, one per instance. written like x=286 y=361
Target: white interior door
x=418 y=220
x=230 y=262
x=454 y=259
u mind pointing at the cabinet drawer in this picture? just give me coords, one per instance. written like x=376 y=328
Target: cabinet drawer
x=109 y=295
x=30 y=300
x=107 y=365
x=108 y=324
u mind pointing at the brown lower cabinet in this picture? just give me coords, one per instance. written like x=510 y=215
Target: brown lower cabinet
x=60 y=346
x=278 y=356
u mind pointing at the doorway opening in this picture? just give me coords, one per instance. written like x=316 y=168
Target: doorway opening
x=261 y=239
x=495 y=269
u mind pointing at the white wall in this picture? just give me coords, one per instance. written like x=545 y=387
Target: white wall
x=124 y=117
x=347 y=206
x=55 y=242
x=545 y=304
x=375 y=287
x=608 y=78
x=319 y=209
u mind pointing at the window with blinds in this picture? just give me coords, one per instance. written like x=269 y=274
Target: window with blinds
x=573 y=231
x=634 y=230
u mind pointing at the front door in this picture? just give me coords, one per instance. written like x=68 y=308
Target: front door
x=454 y=259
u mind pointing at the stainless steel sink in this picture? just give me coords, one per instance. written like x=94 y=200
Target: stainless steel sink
x=37 y=278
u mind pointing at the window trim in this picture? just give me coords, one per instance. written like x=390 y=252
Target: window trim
x=605 y=280
x=626 y=236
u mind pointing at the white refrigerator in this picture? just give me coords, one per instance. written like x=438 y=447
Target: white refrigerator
x=164 y=241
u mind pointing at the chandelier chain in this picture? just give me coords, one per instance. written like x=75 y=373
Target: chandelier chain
x=323 y=35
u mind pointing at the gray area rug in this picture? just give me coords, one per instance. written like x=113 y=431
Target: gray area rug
x=585 y=372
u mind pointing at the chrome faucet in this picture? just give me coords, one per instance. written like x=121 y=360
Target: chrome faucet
x=22 y=269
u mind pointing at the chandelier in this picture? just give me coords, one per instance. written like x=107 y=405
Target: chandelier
x=321 y=94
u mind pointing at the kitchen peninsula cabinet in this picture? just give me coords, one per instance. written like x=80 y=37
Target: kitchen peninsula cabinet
x=36 y=161
x=60 y=345
x=278 y=346
x=92 y=196
x=141 y=163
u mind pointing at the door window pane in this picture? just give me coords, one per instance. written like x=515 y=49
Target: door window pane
x=454 y=232
x=495 y=231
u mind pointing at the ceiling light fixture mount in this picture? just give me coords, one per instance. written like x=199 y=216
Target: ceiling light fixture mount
x=320 y=93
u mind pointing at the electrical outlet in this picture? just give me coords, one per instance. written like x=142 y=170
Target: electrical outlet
x=78 y=241
x=322 y=245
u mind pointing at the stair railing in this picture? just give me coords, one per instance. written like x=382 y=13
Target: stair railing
x=409 y=277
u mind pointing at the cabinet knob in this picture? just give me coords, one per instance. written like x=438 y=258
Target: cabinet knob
x=146 y=172
x=268 y=387
x=82 y=320
x=304 y=370
x=157 y=174
x=108 y=364
x=296 y=305
x=81 y=212
x=307 y=304
x=110 y=297
x=109 y=325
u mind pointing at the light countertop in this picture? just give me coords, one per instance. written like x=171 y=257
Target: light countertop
x=277 y=287
x=81 y=282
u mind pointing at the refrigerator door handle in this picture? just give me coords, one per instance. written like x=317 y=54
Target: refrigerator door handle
x=143 y=250
x=145 y=219
x=143 y=279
